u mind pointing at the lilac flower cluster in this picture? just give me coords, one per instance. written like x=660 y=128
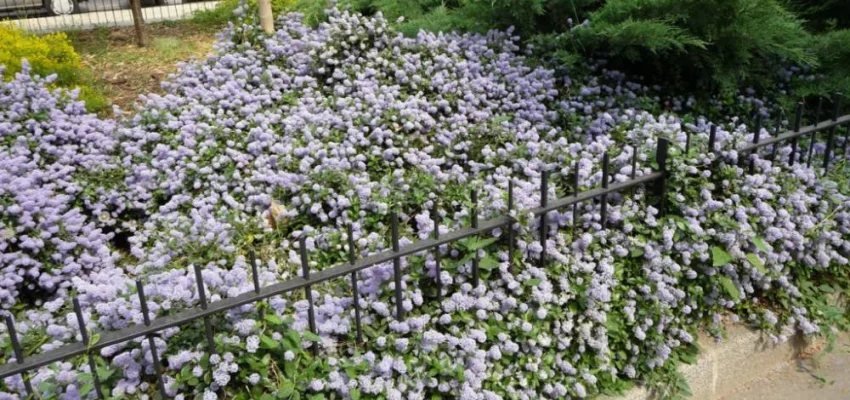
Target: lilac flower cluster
x=50 y=214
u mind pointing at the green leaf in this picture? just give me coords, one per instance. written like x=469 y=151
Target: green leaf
x=292 y=340
x=460 y=374
x=355 y=394
x=756 y=262
x=289 y=368
x=637 y=252
x=104 y=373
x=273 y=319
x=311 y=336
x=688 y=358
x=488 y=263
x=46 y=386
x=268 y=343
x=481 y=243
x=533 y=282
x=86 y=389
x=720 y=257
x=760 y=243
x=730 y=287
x=285 y=389
x=683 y=386
x=827 y=289
x=613 y=323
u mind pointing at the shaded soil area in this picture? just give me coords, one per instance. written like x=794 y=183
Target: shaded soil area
x=122 y=71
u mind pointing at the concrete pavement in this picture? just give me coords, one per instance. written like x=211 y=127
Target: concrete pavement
x=828 y=379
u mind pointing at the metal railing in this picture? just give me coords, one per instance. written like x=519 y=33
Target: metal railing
x=349 y=269
x=40 y=16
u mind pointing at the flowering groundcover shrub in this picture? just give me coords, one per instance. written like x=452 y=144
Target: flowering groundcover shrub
x=308 y=131
x=51 y=150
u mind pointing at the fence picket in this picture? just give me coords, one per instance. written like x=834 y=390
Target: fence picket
x=756 y=136
x=603 y=200
x=511 y=233
x=81 y=322
x=399 y=307
x=140 y=289
x=352 y=258
x=202 y=297
x=544 y=197
x=19 y=353
x=308 y=289
x=798 y=117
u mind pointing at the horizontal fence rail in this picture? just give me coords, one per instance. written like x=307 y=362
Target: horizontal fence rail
x=808 y=130
x=307 y=280
x=41 y=16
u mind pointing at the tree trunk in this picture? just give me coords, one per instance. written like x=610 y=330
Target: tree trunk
x=266 y=18
x=139 y=23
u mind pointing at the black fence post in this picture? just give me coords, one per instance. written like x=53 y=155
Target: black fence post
x=830 y=140
x=774 y=148
x=661 y=159
x=308 y=290
x=817 y=111
x=85 y=335
x=511 y=226
x=544 y=200
x=603 y=199
x=798 y=118
x=399 y=307
x=712 y=136
x=811 y=149
x=160 y=382
x=476 y=273
x=19 y=353
x=202 y=296
x=756 y=136
x=634 y=163
x=255 y=275
x=352 y=258
x=438 y=269
x=575 y=206
x=634 y=166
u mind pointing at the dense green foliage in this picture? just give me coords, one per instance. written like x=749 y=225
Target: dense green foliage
x=704 y=48
x=823 y=15
x=224 y=11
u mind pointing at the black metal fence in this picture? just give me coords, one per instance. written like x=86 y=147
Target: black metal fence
x=655 y=180
x=40 y=16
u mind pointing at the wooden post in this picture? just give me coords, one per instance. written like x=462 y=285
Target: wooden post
x=266 y=19
x=139 y=23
